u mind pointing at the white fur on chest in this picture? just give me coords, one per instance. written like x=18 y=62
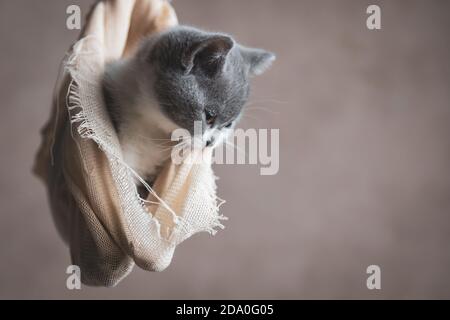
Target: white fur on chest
x=144 y=132
x=145 y=139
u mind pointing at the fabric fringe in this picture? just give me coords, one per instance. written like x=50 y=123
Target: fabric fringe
x=86 y=130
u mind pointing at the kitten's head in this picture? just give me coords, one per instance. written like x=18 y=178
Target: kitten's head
x=202 y=76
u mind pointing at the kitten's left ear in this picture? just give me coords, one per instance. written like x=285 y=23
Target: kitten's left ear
x=258 y=60
x=209 y=54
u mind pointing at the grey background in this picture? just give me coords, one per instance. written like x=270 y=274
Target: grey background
x=364 y=160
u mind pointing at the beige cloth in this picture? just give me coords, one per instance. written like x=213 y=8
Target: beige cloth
x=93 y=199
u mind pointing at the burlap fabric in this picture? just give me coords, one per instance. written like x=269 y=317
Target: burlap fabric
x=93 y=198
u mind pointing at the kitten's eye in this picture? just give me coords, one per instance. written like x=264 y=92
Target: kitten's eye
x=229 y=125
x=210 y=118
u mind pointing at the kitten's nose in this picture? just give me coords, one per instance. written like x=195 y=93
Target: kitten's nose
x=210 y=118
x=210 y=142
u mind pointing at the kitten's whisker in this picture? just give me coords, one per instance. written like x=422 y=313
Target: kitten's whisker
x=268 y=101
x=147 y=138
x=262 y=109
x=165 y=149
x=162 y=144
x=183 y=145
x=250 y=117
x=178 y=145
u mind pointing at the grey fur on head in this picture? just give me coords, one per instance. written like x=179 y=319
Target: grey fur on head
x=201 y=75
x=197 y=75
x=178 y=77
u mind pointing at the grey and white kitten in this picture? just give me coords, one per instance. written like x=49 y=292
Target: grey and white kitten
x=178 y=77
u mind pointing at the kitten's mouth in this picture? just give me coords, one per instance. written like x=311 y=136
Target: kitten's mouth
x=210 y=142
x=198 y=142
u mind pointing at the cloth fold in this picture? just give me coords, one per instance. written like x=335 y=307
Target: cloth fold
x=94 y=202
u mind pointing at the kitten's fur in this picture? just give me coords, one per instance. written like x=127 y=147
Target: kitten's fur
x=175 y=78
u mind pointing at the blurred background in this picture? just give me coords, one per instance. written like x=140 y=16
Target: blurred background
x=364 y=119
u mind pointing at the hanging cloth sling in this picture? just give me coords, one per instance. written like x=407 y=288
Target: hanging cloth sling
x=91 y=190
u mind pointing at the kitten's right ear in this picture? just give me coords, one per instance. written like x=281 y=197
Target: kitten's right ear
x=209 y=54
x=257 y=60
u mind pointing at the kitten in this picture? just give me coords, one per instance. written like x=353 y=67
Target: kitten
x=178 y=77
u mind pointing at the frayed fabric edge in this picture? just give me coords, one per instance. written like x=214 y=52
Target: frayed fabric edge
x=85 y=129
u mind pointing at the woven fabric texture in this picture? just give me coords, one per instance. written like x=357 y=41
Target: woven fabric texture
x=94 y=201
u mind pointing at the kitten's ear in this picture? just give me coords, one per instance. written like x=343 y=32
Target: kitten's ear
x=208 y=55
x=257 y=60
